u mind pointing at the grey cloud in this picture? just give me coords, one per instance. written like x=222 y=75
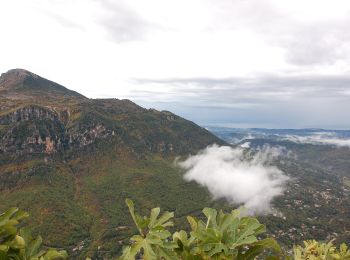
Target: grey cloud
x=304 y=42
x=294 y=81
x=270 y=101
x=123 y=23
x=250 y=90
x=319 y=43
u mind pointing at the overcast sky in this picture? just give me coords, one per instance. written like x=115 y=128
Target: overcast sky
x=245 y=63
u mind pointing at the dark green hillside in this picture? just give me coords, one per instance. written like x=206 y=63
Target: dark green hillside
x=71 y=161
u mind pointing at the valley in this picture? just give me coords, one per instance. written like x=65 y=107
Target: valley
x=316 y=202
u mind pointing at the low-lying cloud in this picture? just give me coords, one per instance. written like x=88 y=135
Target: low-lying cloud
x=320 y=139
x=237 y=175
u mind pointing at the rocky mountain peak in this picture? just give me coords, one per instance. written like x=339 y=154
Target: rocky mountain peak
x=23 y=84
x=14 y=77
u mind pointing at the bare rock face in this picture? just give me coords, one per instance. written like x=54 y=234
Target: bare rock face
x=90 y=135
x=31 y=129
x=36 y=129
x=29 y=113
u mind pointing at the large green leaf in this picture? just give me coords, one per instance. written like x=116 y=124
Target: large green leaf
x=53 y=254
x=20 y=245
x=154 y=215
x=163 y=220
x=153 y=240
x=32 y=245
x=211 y=217
x=135 y=217
x=259 y=247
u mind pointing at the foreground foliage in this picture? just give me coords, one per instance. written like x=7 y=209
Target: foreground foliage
x=220 y=236
x=19 y=244
x=316 y=250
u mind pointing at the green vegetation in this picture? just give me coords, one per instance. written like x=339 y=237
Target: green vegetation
x=218 y=236
x=84 y=198
x=314 y=250
x=19 y=244
x=221 y=236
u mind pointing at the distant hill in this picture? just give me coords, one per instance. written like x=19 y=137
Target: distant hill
x=71 y=161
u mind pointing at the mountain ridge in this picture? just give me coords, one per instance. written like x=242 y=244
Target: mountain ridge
x=77 y=119
x=71 y=161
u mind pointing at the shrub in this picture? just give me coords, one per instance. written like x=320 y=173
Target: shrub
x=19 y=244
x=221 y=236
x=317 y=250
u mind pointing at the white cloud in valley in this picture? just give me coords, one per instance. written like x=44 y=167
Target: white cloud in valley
x=238 y=176
x=319 y=139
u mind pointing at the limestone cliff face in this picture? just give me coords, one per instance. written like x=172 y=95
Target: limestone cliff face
x=36 y=129
x=29 y=113
x=32 y=129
